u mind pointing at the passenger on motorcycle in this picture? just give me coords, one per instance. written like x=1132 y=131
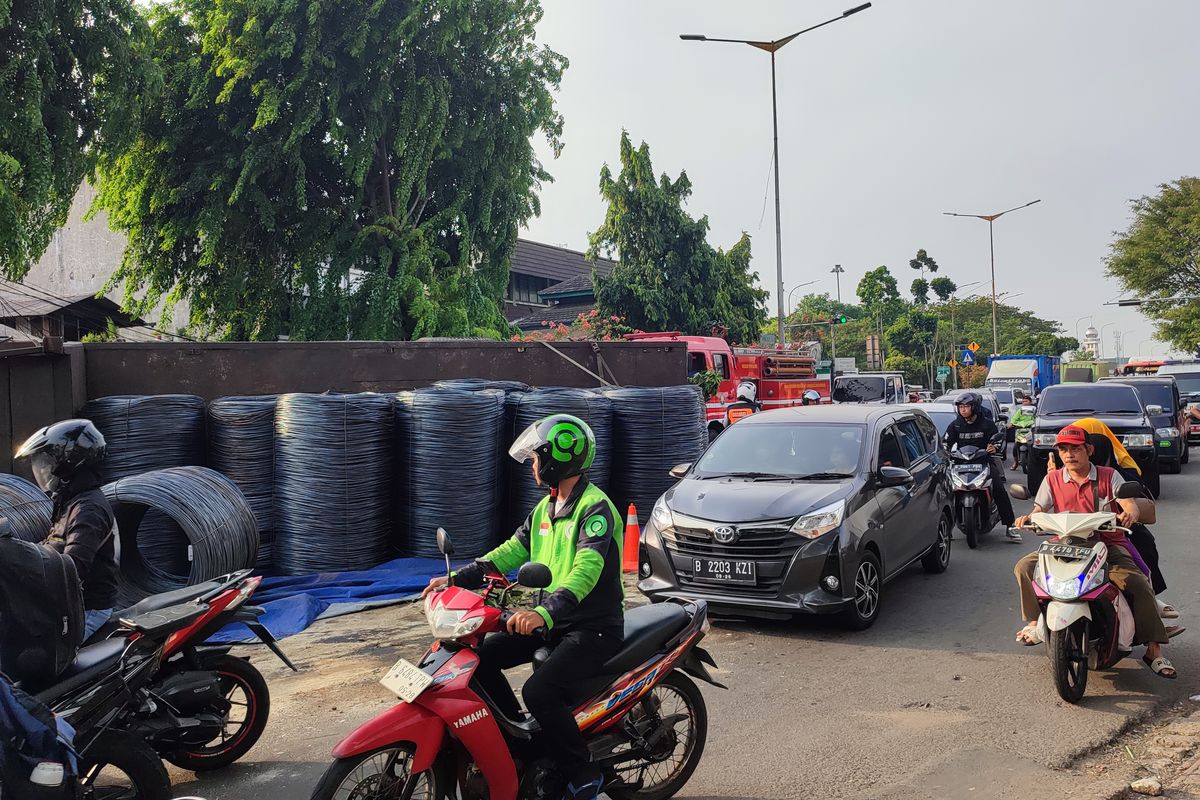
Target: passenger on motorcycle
x=746 y=405
x=574 y=532
x=64 y=457
x=1081 y=487
x=973 y=428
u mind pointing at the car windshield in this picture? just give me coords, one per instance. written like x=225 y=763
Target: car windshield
x=1189 y=382
x=1093 y=399
x=1156 y=394
x=848 y=389
x=1003 y=395
x=811 y=450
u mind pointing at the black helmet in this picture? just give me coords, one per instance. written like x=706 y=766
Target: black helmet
x=564 y=446
x=972 y=399
x=56 y=453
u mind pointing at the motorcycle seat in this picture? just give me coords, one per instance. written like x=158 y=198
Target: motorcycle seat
x=647 y=629
x=90 y=663
x=155 y=602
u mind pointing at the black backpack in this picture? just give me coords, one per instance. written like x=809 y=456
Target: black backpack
x=41 y=609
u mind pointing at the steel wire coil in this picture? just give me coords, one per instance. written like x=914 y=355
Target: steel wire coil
x=654 y=429
x=333 y=482
x=147 y=432
x=213 y=530
x=594 y=409
x=26 y=507
x=241 y=446
x=449 y=476
x=480 y=384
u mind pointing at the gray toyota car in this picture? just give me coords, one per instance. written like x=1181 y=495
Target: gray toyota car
x=803 y=510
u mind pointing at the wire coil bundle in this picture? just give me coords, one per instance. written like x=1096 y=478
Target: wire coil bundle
x=333 y=493
x=27 y=509
x=594 y=409
x=449 y=442
x=145 y=433
x=481 y=384
x=654 y=429
x=241 y=435
x=217 y=526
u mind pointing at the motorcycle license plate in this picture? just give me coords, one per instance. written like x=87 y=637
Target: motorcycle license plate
x=1065 y=550
x=722 y=570
x=969 y=467
x=406 y=680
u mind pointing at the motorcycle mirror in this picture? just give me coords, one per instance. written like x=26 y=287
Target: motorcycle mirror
x=445 y=546
x=1020 y=491
x=533 y=575
x=679 y=470
x=1129 y=490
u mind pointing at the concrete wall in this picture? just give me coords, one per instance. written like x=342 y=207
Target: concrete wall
x=35 y=390
x=213 y=370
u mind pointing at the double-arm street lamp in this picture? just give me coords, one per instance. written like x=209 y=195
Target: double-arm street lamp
x=990 y=218
x=773 y=47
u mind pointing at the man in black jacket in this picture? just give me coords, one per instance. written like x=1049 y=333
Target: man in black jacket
x=63 y=458
x=971 y=427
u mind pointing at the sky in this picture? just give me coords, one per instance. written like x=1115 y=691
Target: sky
x=887 y=119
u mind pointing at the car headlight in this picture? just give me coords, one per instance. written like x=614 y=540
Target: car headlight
x=1138 y=440
x=446 y=623
x=1044 y=439
x=821 y=521
x=1062 y=590
x=662 y=516
x=1167 y=433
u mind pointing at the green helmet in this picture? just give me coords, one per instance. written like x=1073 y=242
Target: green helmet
x=564 y=445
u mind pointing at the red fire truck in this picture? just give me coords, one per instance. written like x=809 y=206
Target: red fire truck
x=782 y=376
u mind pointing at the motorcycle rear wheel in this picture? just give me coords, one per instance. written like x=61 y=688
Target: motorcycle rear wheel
x=377 y=775
x=676 y=695
x=246 y=690
x=1069 y=660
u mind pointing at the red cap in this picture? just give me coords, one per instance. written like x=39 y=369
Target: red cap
x=1072 y=434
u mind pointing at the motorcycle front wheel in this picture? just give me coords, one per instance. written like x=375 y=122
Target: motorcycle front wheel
x=970 y=527
x=675 y=719
x=378 y=775
x=118 y=766
x=1069 y=660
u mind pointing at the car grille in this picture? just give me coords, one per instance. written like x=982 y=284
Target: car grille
x=770 y=545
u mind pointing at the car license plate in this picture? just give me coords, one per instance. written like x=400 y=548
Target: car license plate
x=723 y=570
x=1195 y=428
x=406 y=680
x=1065 y=550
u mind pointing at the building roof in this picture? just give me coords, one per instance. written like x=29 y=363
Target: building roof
x=554 y=263
x=24 y=302
x=575 y=285
x=565 y=314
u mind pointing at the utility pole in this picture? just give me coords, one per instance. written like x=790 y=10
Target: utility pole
x=837 y=274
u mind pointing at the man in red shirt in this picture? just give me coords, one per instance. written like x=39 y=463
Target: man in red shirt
x=1081 y=487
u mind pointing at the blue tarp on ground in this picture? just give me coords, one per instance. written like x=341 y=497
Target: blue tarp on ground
x=294 y=603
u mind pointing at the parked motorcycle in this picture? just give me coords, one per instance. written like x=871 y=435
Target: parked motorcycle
x=975 y=511
x=1086 y=622
x=645 y=720
x=204 y=708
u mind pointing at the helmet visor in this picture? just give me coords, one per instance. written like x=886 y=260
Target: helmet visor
x=43 y=471
x=526 y=444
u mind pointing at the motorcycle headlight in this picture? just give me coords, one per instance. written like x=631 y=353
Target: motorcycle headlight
x=662 y=516
x=1062 y=590
x=1044 y=439
x=1167 y=433
x=981 y=478
x=1138 y=440
x=449 y=624
x=821 y=521
x=1023 y=435
x=958 y=479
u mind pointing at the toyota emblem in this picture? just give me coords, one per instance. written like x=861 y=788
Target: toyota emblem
x=725 y=534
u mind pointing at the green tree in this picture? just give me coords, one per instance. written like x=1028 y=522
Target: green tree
x=809 y=322
x=914 y=335
x=923 y=262
x=336 y=169
x=71 y=81
x=1158 y=255
x=668 y=277
x=913 y=368
x=920 y=291
x=943 y=287
x=880 y=297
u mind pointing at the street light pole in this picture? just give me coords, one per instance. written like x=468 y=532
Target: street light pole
x=1100 y=341
x=837 y=274
x=990 y=219
x=793 y=291
x=1081 y=319
x=772 y=47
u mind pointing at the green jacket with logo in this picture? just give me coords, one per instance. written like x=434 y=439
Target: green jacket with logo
x=581 y=546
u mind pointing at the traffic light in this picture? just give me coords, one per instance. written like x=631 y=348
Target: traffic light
x=840 y=319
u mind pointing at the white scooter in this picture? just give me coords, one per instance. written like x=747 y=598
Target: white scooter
x=1086 y=622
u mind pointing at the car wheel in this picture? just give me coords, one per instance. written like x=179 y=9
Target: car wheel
x=1187 y=452
x=1173 y=467
x=938 y=558
x=867 y=593
x=1153 y=481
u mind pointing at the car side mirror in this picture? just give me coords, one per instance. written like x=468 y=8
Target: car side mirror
x=1020 y=491
x=445 y=546
x=1129 y=490
x=1154 y=411
x=534 y=575
x=895 y=476
x=679 y=470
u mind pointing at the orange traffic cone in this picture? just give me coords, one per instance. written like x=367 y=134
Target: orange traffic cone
x=633 y=538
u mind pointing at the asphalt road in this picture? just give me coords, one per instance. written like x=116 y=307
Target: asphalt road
x=936 y=700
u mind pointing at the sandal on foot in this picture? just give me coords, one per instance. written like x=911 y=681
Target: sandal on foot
x=1174 y=630
x=1030 y=635
x=1166 y=610
x=1161 y=667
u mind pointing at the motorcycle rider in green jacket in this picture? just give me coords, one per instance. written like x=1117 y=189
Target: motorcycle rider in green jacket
x=1022 y=417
